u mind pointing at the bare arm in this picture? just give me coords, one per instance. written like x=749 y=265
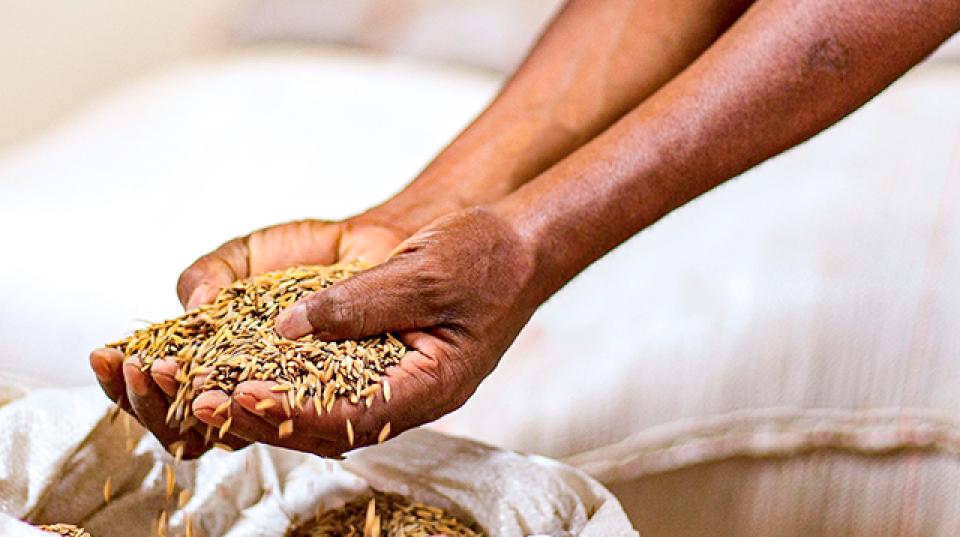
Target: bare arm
x=785 y=71
x=595 y=62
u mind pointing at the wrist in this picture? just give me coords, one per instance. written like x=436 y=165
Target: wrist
x=526 y=221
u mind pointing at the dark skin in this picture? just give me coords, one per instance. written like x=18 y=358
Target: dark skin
x=597 y=136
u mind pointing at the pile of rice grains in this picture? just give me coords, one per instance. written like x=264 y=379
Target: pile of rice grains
x=380 y=515
x=233 y=340
x=69 y=530
x=386 y=515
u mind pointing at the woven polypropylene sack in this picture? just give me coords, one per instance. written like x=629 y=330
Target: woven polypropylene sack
x=61 y=446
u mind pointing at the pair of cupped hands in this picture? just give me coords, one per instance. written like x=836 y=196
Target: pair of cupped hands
x=454 y=291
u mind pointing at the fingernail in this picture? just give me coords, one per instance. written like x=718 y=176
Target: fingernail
x=210 y=418
x=204 y=407
x=135 y=379
x=248 y=402
x=164 y=373
x=293 y=322
x=198 y=295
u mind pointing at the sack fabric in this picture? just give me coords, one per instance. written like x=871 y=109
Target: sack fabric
x=60 y=446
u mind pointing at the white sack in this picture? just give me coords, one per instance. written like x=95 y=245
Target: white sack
x=60 y=446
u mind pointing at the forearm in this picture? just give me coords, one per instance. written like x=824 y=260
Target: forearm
x=595 y=62
x=782 y=73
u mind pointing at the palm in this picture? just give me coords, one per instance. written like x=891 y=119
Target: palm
x=308 y=242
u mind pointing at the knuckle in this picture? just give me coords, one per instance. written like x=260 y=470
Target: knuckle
x=332 y=310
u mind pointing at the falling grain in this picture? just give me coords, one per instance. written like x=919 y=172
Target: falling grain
x=221 y=408
x=225 y=427
x=183 y=498
x=177 y=449
x=349 y=432
x=171 y=481
x=384 y=433
x=106 y=491
x=162 y=524
x=285 y=428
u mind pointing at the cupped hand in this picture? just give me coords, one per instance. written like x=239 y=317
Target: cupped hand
x=456 y=293
x=147 y=394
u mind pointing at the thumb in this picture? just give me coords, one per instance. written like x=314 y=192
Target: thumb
x=202 y=280
x=382 y=299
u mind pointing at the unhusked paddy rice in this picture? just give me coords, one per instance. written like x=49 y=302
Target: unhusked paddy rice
x=69 y=530
x=385 y=515
x=233 y=340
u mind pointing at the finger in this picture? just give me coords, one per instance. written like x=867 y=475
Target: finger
x=256 y=413
x=164 y=373
x=243 y=424
x=397 y=295
x=367 y=242
x=420 y=393
x=206 y=293
x=305 y=242
x=107 y=364
x=202 y=280
x=259 y=398
x=150 y=406
x=417 y=396
x=272 y=248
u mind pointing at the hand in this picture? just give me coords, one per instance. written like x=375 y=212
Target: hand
x=457 y=293
x=147 y=396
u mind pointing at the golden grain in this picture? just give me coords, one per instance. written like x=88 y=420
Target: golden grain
x=221 y=408
x=285 y=428
x=183 y=498
x=384 y=433
x=219 y=345
x=171 y=481
x=177 y=449
x=385 y=515
x=264 y=404
x=225 y=427
x=371 y=519
x=68 y=530
x=162 y=524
